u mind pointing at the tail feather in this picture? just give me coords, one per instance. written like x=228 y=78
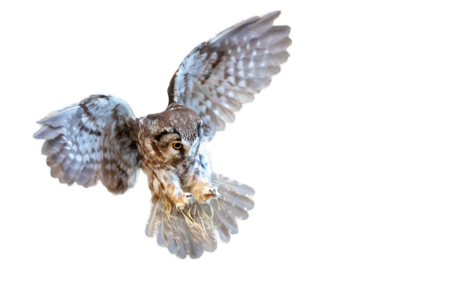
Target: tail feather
x=159 y=236
x=236 y=198
x=195 y=229
x=235 y=210
x=227 y=219
x=237 y=186
x=150 y=229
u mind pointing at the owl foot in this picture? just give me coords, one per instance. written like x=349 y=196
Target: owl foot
x=214 y=195
x=208 y=193
x=184 y=200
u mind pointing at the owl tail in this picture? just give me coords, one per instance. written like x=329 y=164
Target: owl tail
x=194 y=229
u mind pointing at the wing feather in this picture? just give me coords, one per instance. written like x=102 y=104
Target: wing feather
x=92 y=140
x=218 y=76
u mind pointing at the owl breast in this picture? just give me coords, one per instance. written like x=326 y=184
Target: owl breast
x=169 y=145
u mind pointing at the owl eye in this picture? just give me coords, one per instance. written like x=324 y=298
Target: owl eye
x=177 y=146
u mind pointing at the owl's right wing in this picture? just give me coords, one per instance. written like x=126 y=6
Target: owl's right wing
x=220 y=75
x=92 y=140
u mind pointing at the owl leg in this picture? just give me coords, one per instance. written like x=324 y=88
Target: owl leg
x=177 y=196
x=182 y=200
x=204 y=191
x=166 y=185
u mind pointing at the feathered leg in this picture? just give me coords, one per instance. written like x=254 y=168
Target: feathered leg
x=192 y=231
x=166 y=185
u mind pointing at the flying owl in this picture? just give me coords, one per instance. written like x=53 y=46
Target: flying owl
x=100 y=138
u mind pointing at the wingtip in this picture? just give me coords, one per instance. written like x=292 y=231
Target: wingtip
x=36 y=134
x=271 y=16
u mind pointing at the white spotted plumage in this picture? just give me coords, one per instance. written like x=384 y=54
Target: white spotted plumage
x=76 y=150
x=237 y=63
x=99 y=138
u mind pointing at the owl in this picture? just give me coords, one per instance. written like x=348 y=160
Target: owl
x=100 y=138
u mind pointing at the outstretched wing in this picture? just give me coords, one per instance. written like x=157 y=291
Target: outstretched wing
x=218 y=76
x=92 y=140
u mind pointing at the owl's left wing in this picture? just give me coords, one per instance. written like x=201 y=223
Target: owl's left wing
x=220 y=75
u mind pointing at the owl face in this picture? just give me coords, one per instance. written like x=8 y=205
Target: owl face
x=172 y=147
x=173 y=136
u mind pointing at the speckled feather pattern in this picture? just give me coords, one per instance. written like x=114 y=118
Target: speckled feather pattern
x=91 y=140
x=100 y=138
x=218 y=76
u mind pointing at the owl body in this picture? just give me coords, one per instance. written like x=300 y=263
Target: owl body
x=174 y=174
x=100 y=139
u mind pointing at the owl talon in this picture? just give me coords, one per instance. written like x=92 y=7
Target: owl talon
x=187 y=199
x=206 y=194
x=214 y=193
x=217 y=195
x=190 y=198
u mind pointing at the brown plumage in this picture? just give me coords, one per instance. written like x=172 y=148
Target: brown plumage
x=101 y=139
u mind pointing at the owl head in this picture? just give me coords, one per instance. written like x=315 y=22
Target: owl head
x=172 y=136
